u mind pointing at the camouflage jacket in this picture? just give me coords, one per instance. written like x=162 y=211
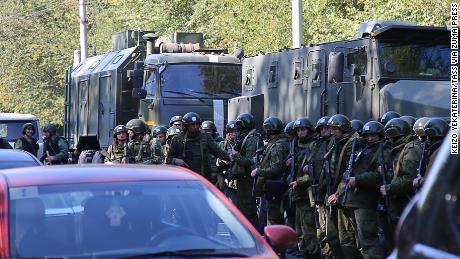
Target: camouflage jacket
x=146 y=152
x=304 y=156
x=196 y=151
x=223 y=168
x=28 y=144
x=321 y=166
x=244 y=158
x=276 y=151
x=116 y=153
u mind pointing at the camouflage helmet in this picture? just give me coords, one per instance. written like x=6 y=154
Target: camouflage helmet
x=397 y=127
x=234 y=125
x=357 y=125
x=272 y=125
x=322 y=122
x=208 y=125
x=409 y=119
x=173 y=131
x=50 y=128
x=418 y=126
x=118 y=129
x=303 y=122
x=137 y=125
x=174 y=119
x=387 y=116
x=26 y=126
x=436 y=128
x=289 y=129
x=191 y=118
x=159 y=130
x=373 y=127
x=247 y=119
x=340 y=121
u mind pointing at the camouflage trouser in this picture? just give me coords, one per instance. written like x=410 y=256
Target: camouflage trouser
x=308 y=241
x=366 y=222
x=346 y=226
x=246 y=203
x=274 y=212
x=328 y=236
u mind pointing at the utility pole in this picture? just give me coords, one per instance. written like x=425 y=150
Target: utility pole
x=297 y=24
x=83 y=30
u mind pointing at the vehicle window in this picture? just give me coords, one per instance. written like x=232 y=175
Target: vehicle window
x=151 y=84
x=120 y=219
x=201 y=80
x=12 y=130
x=425 y=60
x=359 y=59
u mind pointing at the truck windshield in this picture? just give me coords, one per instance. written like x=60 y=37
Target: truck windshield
x=419 y=60
x=201 y=80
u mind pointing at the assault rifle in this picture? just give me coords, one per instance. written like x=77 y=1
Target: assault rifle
x=292 y=174
x=259 y=151
x=314 y=186
x=327 y=171
x=421 y=170
x=349 y=171
x=384 y=180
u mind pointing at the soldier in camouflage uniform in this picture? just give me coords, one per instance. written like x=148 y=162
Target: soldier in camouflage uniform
x=387 y=116
x=362 y=195
x=159 y=133
x=327 y=234
x=357 y=126
x=192 y=148
x=303 y=193
x=143 y=151
x=210 y=128
x=175 y=121
x=55 y=148
x=172 y=131
x=271 y=173
x=343 y=136
x=27 y=142
x=233 y=129
x=288 y=205
x=118 y=152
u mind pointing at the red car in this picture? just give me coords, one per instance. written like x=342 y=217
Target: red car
x=124 y=211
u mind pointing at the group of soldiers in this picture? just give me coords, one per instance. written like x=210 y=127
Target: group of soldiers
x=341 y=183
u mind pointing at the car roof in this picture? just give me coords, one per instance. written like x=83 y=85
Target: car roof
x=50 y=175
x=8 y=155
x=16 y=116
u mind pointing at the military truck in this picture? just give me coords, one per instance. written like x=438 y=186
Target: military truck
x=148 y=79
x=388 y=65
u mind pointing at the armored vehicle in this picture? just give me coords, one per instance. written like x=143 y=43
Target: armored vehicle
x=388 y=65
x=151 y=80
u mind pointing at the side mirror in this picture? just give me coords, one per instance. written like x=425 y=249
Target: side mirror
x=280 y=237
x=336 y=62
x=139 y=93
x=138 y=74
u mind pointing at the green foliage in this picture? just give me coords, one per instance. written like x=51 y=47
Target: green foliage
x=37 y=38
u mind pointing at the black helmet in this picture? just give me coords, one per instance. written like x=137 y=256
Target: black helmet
x=26 y=126
x=409 y=119
x=174 y=119
x=340 y=121
x=387 y=116
x=289 y=129
x=247 y=119
x=137 y=125
x=357 y=126
x=118 y=129
x=272 y=125
x=159 y=130
x=303 y=122
x=173 y=131
x=208 y=125
x=191 y=118
x=322 y=122
x=397 y=127
x=234 y=125
x=436 y=127
x=418 y=126
x=50 y=128
x=373 y=127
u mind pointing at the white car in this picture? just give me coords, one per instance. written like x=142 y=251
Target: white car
x=11 y=128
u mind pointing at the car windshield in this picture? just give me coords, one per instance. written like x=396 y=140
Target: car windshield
x=12 y=130
x=201 y=80
x=123 y=219
x=414 y=60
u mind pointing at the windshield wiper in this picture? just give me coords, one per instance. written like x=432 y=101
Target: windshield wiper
x=188 y=253
x=187 y=94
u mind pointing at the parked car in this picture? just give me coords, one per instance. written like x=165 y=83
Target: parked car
x=11 y=128
x=430 y=224
x=12 y=158
x=117 y=211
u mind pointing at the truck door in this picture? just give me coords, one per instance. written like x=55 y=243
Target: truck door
x=82 y=114
x=316 y=92
x=106 y=111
